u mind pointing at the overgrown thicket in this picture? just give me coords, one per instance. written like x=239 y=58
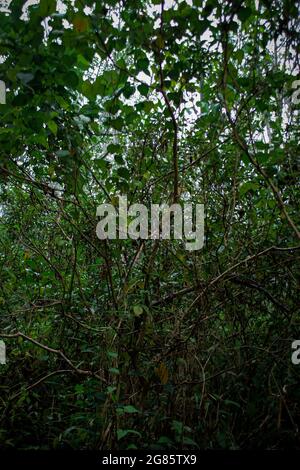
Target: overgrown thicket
x=119 y=344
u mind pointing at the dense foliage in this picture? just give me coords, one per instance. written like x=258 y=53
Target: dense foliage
x=123 y=344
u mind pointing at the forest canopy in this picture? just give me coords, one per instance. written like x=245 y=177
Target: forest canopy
x=140 y=343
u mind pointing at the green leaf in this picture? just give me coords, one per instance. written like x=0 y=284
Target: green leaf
x=47 y=7
x=121 y=433
x=248 y=186
x=52 y=126
x=71 y=79
x=143 y=89
x=189 y=441
x=239 y=54
x=137 y=310
x=119 y=159
x=123 y=172
x=130 y=409
x=25 y=77
x=112 y=354
x=142 y=65
x=244 y=13
x=40 y=139
x=128 y=91
x=165 y=440
x=117 y=124
x=114 y=148
x=89 y=90
x=63 y=153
